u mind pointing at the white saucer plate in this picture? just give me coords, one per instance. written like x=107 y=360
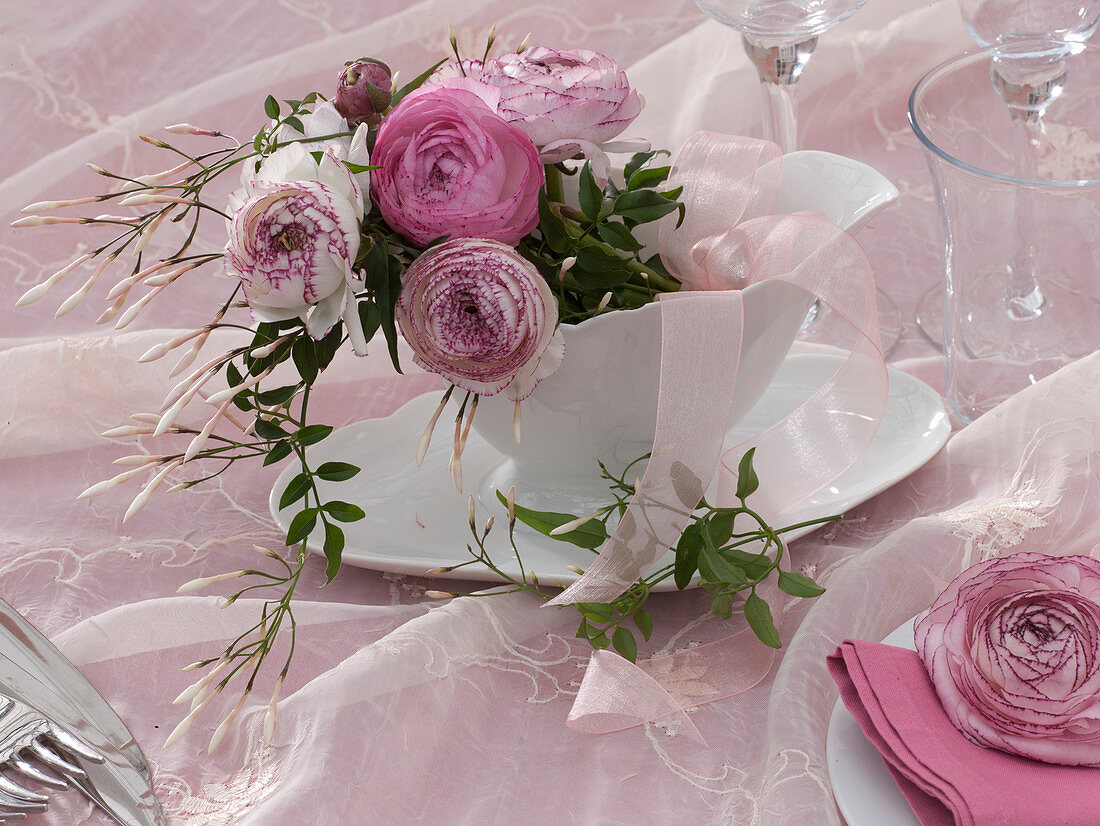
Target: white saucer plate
x=416 y=520
x=865 y=792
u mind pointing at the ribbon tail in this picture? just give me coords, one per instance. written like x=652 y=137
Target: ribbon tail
x=616 y=694
x=693 y=407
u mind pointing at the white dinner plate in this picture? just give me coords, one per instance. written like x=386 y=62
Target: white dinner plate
x=864 y=790
x=417 y=521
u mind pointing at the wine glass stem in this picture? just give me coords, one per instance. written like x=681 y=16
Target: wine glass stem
x=779 y=66
x=1024 y=297
x=780 y=114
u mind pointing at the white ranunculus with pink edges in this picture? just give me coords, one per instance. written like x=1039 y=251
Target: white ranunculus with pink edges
x=481 y=315
x=1013 y=649
x=293 y=239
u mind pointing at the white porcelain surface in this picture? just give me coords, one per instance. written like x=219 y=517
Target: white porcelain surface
x=602 y=402
x=416 y=520
x=864 y=790
x=847 y=192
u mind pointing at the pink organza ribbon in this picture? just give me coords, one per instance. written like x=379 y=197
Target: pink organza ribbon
x=728 y=242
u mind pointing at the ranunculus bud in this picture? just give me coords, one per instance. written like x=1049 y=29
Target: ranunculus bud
x=364 y=92
x=1013 y=649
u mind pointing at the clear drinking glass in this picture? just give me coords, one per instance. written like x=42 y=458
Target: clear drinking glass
x=1026 y=72
x=995 y=345
x=779 y=36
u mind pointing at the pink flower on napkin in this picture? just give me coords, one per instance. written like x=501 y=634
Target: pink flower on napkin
x=1013 y=649
x=449 y=165
x=480 y=315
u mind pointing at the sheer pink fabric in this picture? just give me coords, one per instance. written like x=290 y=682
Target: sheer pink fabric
x=400 y=709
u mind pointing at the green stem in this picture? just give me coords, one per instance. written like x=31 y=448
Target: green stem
x=555 y=192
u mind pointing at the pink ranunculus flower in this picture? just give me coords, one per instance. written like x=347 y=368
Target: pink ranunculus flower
x=292 y=244
x=449 y=165
x=479 y=314
x=574 y=94
x=1013 y=649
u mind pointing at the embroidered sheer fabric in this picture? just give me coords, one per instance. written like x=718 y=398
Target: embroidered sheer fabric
x=401 y=709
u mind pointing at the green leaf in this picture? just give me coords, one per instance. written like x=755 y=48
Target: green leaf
x=648 y=177
x=370 y=316
x=384 y=281
x=313 y=433
x=721 y=605
x=258 y=144
x=232 y=374
x=597 y=638
x=269 y=430
x=334 y=549
x=644 y=620
x=277 y=453
x=798 y=585
x=271 y=107
x=747 y=480
x=301 y=526
x=552 y=227
x=327 y=347
x=638 y=160
x=589 y=196
x=356 y=168
x=336 y=471
x=720 y=526
x=618 y=236
x=687 y=555
x=343 y=511
x=582 y=629
x=754 y=565
x=595 y=611
x=304 y=355
x=714 y=567
x=294 y=123
x=299 y=486
x=624 y=642
x=278 y=396
x=642 y=206
x=416 y=82
x=759 y=616
x=590 y=535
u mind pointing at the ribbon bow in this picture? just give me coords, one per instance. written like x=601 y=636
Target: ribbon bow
x=728 y=242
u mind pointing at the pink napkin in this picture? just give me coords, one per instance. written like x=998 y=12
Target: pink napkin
x=946 y=778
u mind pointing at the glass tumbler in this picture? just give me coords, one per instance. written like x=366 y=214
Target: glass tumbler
x=1004 y=235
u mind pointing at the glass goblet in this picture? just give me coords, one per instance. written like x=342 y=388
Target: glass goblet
x=779 y=37
x=1029 y=72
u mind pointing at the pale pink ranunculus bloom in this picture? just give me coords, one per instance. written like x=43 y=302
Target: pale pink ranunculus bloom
x=448 y=165
x=293 y=238
x=479 y=314
x=566 y=95
x=1013 y=649
x=571 y=102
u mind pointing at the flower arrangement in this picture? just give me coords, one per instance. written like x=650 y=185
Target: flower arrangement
x=1013 y=649
x=434 y=211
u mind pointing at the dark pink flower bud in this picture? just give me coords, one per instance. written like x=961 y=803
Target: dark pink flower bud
x=364 y=92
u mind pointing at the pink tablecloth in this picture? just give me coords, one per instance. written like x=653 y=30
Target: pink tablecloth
x=399 y=709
